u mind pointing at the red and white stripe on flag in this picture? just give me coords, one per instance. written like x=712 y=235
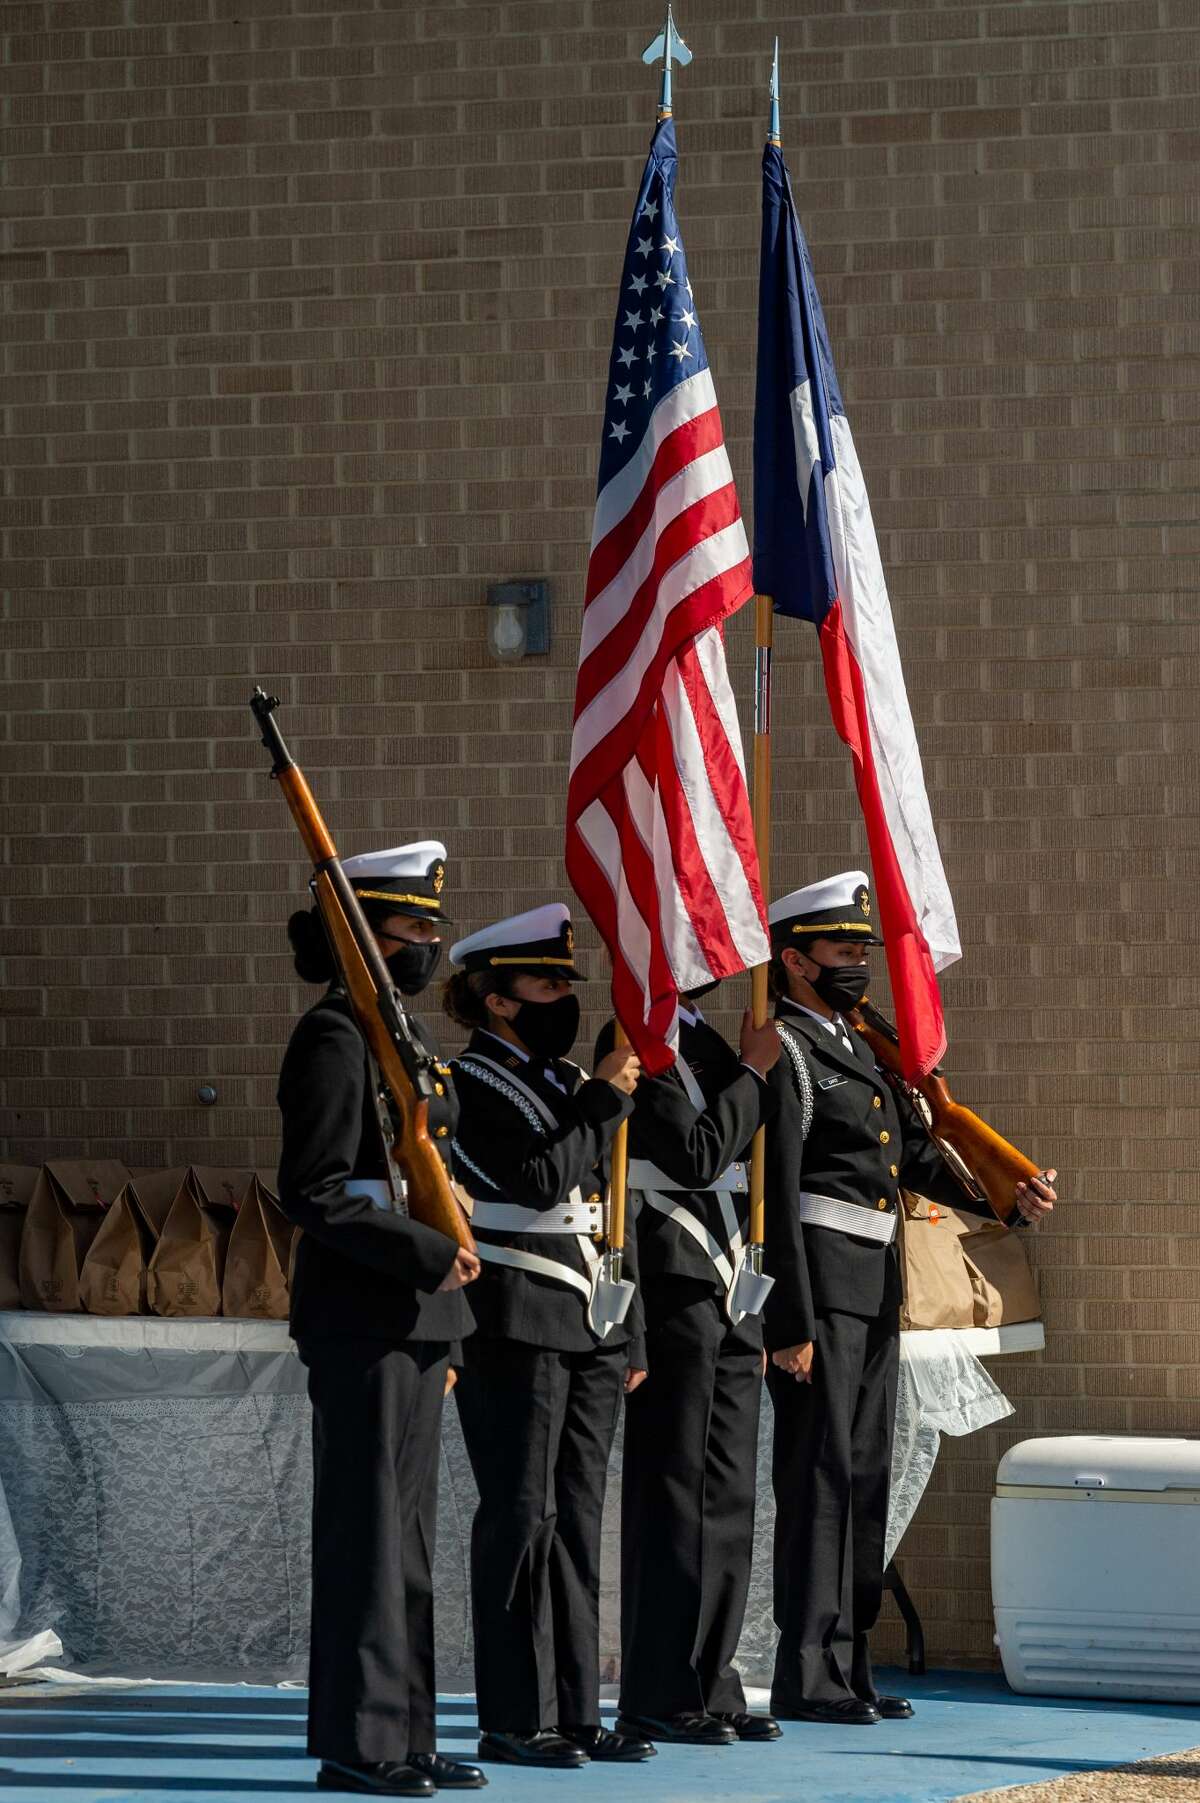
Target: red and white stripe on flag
x=660 y=838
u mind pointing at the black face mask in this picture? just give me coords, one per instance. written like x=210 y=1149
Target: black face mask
x=549 y=1029
x=412 y=964
x=842 y=986
x=694 y=995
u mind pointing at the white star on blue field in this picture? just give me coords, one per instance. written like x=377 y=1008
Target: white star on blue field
x=657 y=341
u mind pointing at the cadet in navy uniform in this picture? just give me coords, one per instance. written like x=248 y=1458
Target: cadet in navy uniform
x=688 y=1478
x=844 y=1142
x=378 y=1310
x=540 y=1390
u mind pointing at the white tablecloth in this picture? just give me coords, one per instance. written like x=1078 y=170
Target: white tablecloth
x=155 y=1488
x=155 y=1494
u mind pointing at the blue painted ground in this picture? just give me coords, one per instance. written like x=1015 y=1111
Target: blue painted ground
x=184 y=1745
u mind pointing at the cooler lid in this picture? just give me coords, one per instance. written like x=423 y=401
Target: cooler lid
x=1103 y=1461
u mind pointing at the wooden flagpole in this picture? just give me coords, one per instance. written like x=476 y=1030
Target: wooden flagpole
x=763 y=635
x=759 y=999
x=618 y=1178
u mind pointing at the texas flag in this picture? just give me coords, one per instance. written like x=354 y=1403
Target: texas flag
x=816 y=555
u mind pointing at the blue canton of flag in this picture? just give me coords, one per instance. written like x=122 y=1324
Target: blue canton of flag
x=656 y=341
x=797 y=393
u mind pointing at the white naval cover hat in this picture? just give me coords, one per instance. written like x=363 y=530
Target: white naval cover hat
x=839 y=907
x=411 y=877
x=540 y=942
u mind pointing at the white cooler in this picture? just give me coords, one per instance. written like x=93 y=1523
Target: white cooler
x=1096 y=1567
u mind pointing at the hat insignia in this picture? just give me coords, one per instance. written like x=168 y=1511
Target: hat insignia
x=570 y=938
x=864 y=902
x=439 y=878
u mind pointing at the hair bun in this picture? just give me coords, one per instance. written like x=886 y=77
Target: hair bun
x=313 y=956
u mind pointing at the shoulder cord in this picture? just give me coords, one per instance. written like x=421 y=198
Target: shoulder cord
x=801 y=1076
x=462 y=1158
x=510 y=1093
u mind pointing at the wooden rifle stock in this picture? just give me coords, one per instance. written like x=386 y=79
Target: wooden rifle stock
x=995 y=1165
x=404 y=1065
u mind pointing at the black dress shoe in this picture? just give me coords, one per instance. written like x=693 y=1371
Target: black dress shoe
x=448 y=1774
x=749 y=1727
x=691 y=1728
x=893 y=1709
x=601 y=1743
x=546 y=1747
x=379 y=1778
x=848 y=1712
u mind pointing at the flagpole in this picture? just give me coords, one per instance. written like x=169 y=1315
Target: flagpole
x=670 y=46
x=759 y=997
x=618 y=1182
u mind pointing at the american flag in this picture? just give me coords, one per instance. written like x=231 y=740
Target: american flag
x=816 y=554
x=660 y=840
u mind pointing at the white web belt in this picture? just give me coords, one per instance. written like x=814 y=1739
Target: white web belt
x=376 y=1191
x=846 y=1217
x=607 y=1302
x=547 y=1267
x=645 y=1174
x=572 y=1216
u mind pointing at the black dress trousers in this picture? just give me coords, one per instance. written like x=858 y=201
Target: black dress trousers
x=377 y=1415
x=832 y=1452
x=687 y=1504
x=538 y=1425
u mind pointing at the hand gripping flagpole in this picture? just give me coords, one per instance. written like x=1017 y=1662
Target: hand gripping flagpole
x=759 y=999
x=612 y=1293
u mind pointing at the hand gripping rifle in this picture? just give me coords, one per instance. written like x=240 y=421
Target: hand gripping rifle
x=407 y=1070
x=995 y=1166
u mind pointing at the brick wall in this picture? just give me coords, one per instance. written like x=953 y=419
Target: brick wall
x=305 y=328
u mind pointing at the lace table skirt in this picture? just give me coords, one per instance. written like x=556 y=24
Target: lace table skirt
x=155 y=1488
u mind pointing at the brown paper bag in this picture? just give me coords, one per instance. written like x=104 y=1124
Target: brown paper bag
x=17 y=1183
x=115 y=1271
x=256 y=1266
x=937 y=1284
x=188 y=1266
x=270 y=1183
x=221 y=1188
x=63 y=1218
x=1002 y=1285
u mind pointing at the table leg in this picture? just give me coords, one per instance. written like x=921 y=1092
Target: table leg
x=912 y=1621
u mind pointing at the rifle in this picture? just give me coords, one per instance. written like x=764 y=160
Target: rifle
x=995 y=1166
x=407 y=1070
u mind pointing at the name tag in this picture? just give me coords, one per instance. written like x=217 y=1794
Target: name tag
x=831 y=1082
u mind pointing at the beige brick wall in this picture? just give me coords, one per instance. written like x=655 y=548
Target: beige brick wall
x=305 y=329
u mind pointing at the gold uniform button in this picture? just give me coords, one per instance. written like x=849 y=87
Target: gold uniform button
x=882 y=1202
x=895 y=1170
x=884 y=1137
x=441 y=1132
x=875 y=1102
x=594 y=1197
x=439 y=1089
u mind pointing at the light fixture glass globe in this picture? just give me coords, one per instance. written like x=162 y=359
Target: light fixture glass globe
x=506 y=630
